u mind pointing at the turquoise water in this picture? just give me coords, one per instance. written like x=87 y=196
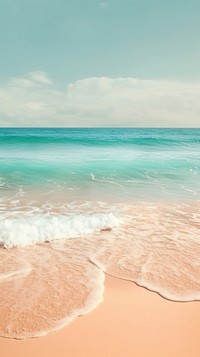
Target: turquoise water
x=116 y=164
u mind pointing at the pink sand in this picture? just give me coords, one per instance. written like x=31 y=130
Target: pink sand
x=130 y=322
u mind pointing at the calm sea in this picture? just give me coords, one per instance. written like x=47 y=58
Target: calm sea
x=116 y=164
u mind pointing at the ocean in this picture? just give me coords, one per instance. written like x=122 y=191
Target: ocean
x=78 y=203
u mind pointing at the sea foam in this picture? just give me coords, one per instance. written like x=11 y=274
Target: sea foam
x=21 y=232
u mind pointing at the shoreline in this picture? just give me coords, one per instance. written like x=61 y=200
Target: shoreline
x=130 y=321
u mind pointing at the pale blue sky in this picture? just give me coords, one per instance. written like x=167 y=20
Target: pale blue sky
x=78 y=39
x=64 y=41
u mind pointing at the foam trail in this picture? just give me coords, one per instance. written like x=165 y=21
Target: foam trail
x=61 y=286
x=156 y=246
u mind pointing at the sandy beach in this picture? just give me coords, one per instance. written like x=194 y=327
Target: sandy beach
x=131 y=321
x=99 y=178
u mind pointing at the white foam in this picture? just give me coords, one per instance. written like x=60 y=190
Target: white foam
x=29 y=230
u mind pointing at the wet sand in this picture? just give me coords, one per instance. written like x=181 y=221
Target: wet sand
x=131 y=321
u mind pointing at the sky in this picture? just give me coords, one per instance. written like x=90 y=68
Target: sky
x=100 y=63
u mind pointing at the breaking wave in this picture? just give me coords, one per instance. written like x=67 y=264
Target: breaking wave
x=21 y=232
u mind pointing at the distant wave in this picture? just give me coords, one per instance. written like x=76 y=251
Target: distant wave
x=101 y=137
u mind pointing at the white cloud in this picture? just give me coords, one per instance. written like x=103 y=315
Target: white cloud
x=40 y=77
x=21 y=82
x=29 y=101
